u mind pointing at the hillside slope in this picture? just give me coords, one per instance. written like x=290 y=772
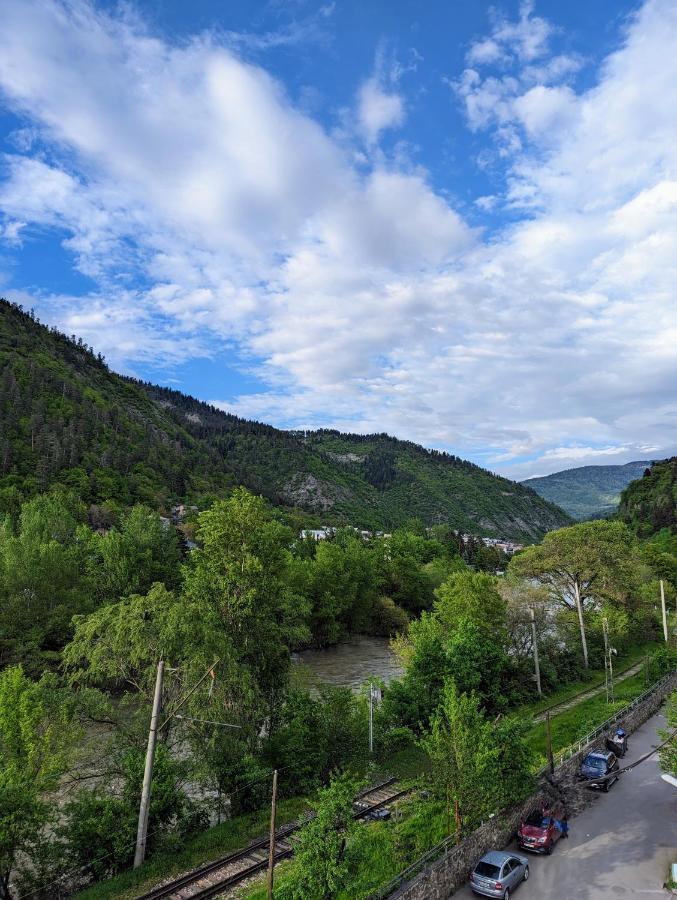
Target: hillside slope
x=588 y=491
x=650 y=503
x=66 y=418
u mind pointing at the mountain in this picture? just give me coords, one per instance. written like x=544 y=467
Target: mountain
x=650 y=503
x=589 y=492
x=66 y=418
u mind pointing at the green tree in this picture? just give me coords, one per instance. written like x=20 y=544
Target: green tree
x=478 y=766
x=340 y=583
x=582 y=566
x=129 y=559
x=240 y=574
x=473 y=596
x=321 y=865
x=36 y=737
x=43 y=580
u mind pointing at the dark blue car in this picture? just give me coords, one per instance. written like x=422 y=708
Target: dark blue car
x=600 y=769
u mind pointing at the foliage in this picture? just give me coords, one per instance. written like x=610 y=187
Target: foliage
x=650 y=503
x=99 y=830
x=316 y=736
x=668 y=753
x=36 y=737
x=464 y=638
x=478 y=766
x=238 y=577
x=321 y=866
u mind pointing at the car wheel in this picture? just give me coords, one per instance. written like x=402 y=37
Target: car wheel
x=526 y=874
x=506 y=896
x=548 y=850
x=605 y=787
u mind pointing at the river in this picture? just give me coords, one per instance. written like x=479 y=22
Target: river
x=349 y=664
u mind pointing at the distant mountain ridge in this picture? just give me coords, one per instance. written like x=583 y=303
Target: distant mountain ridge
x=65 y=418
x=588 y=492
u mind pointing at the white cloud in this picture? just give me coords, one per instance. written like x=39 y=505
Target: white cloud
x=357 y=291
x=378 y=110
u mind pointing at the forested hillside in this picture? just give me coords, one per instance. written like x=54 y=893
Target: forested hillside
x=650 y=503
x=66 y=418
x=587 y=492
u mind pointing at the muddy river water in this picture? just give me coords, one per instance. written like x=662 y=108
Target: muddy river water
x=349 y=664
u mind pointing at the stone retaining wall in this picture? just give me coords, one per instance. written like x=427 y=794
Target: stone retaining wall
x=450 y=871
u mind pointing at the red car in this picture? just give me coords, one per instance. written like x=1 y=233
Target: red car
x=540 y=831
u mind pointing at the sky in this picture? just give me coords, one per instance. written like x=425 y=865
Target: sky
x=453 y=221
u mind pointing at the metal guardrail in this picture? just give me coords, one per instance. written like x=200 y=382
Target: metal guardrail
x=562 y=755
x=442 y=848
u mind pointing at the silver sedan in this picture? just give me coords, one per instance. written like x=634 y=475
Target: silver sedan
x=497 y=874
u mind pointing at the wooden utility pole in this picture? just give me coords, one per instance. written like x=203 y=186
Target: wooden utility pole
x=665 y=615
x=144 y=809
x=607 y=659
x=581 y=623
x=548 y=737
x=271 y=848
x=532 y=616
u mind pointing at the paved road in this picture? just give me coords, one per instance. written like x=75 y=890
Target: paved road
x=619 y=847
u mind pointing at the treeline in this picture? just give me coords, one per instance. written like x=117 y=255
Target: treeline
x=60 y=557
x=107 y=593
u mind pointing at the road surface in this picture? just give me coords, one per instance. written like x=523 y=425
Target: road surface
x=619 y=847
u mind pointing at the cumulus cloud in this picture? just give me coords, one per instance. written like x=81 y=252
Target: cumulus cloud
x=378 y=110
x=208 y=208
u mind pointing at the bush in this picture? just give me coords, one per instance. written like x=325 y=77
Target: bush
x=662 y=662
x=387 y=618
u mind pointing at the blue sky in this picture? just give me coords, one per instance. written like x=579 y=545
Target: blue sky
x=455 y=222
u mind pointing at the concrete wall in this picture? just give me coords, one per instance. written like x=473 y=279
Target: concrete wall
x=451 y=870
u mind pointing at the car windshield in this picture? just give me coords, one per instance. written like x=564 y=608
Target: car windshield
x=487 y=870
x=595 y=762
x=538 y=820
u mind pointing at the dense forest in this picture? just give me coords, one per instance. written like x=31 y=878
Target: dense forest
x=66 y=419
x=650 y=503
x=587 y=492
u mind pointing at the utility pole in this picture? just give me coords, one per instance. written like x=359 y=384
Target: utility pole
x=665 y=616
x=144 y=809
x=581 y=623
x=371 y=718
x=532 y=616
x=605 y=632
x=271 y=848
x=548 y=738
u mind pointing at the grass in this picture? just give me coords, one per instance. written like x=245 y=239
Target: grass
x=595 y=679
x=380 y=851
x=211 y=844
x=573 y=724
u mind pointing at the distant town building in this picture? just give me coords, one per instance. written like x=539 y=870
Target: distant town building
x=318 y=534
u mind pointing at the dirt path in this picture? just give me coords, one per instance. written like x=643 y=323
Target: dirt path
x=579 y=698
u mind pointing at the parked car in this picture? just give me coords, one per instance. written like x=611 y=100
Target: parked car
x=600 y=769
x=539 y=832
x=497 y=874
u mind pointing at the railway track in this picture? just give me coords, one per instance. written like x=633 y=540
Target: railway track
x=217 y=877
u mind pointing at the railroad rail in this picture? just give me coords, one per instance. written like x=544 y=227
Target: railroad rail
x=217 y=877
